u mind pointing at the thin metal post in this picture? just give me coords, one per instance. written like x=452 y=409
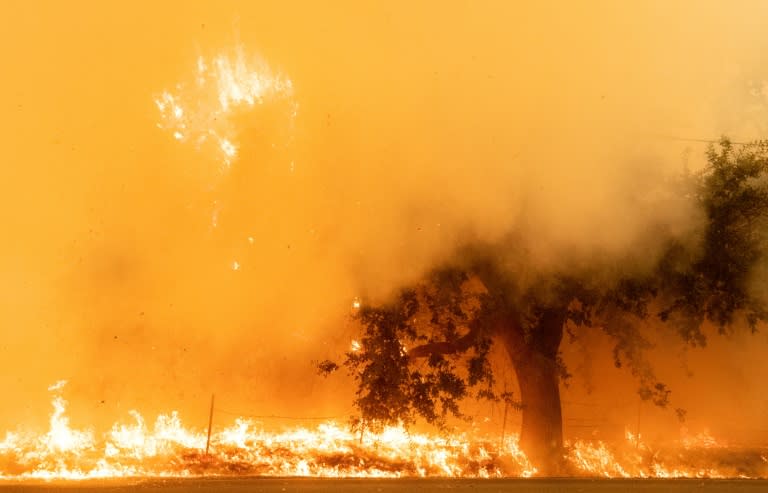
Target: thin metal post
x=210 y=422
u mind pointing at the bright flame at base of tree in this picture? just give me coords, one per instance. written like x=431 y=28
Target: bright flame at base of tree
x=168 y=449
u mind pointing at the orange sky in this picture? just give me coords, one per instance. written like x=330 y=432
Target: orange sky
x=417 y=122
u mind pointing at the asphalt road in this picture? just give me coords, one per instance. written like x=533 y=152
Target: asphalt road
x=280 y=485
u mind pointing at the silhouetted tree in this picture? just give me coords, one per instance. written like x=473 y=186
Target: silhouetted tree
x=424 y=351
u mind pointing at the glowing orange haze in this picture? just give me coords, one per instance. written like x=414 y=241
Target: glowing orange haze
x=151 y=266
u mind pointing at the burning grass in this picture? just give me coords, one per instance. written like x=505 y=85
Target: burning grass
x=169 y=449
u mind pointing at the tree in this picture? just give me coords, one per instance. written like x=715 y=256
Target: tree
x=428 y=347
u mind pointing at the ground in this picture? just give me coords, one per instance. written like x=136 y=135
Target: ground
x=269 y=485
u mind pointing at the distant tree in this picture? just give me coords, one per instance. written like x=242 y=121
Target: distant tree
x=424 y=351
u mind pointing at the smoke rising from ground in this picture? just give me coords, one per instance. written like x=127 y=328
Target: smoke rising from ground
x=419 y=126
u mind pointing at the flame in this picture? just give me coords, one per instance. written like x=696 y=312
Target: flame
x=167 y=448
x=201 y=111
x=697 y=456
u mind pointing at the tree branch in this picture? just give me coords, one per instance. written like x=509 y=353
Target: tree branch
x=460 y=345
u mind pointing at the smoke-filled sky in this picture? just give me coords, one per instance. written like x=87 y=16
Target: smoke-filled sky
x=408 y=127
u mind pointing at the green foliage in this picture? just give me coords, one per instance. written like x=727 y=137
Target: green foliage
x=715 y=285
x=395 y=388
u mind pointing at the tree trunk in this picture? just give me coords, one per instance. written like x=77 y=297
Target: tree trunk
x=535 y=361
x=541 y=435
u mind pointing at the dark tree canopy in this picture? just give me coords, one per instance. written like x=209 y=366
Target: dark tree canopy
x=428 y=348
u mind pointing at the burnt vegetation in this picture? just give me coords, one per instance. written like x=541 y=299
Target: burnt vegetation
x=426 y=349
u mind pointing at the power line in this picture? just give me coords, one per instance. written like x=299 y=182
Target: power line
x=704 y=141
